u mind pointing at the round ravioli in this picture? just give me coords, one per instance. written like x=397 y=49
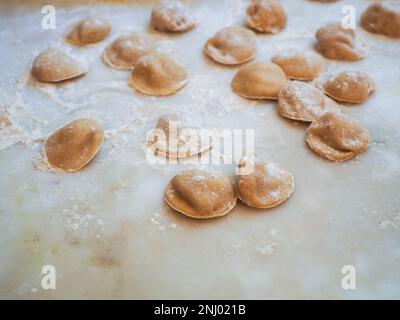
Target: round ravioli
x=303 y=102
x=300 y=65
x=232 y=45
x=336 y=137
x=335 y=42
x=53 y=65
x=73 y=146
x=382 y=19
x=88 y=31
x=263 y=185
x=173 y=141
x=124 y=52
x=158 y=75
x=200 y=194
x=266 y=16
x=172 y=16
x=350 y=86
x=259 y=80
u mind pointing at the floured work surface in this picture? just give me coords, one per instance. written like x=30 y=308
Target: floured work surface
x=106 y=229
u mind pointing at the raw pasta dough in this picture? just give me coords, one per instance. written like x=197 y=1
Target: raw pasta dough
x=266 y=187
x=304 y=102
x=259 y=80
x=124 y=52
x=73 y=146
x=172 y=16
x=379 y=19
x=266 y=16
x=350 y=86
x=335 y=42
x=300 y=65
x=232 y=45
x=53 y=65
x=88 y=31
x=336 y=137
x=176 y=142
x=200 y=194
x=158 y=75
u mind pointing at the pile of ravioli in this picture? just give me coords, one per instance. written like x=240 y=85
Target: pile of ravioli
x=290 y=78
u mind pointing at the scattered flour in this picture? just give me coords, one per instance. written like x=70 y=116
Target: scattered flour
x=267 y=250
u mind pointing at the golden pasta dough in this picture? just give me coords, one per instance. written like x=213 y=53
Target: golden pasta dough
x=172 y=141
x=381 y=19
x=200 y=194
x=259 y=80
x=172 y=16
x=158 y=75
x=53 y=65
x=300 y=65
x=266 y=16
x=73 y=146
x=88 y=31
x=350 y=86
x=267 y=185
x=124 y=52
x=232 y=45
x=303 y=102
x=336 y=137
x=335 y=42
